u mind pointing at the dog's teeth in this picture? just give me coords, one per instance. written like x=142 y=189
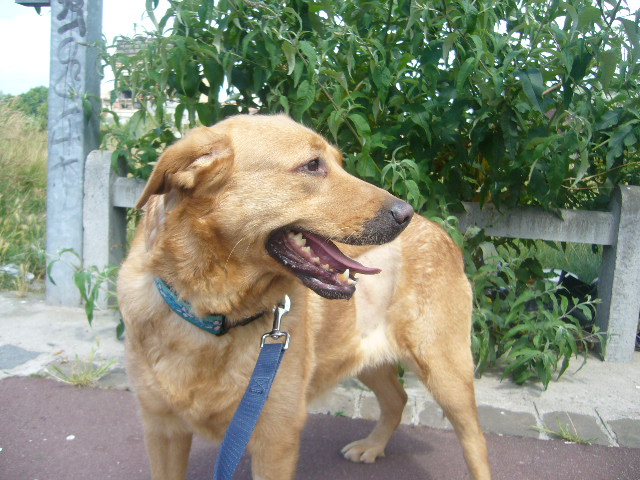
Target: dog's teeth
x=326 y=266
x=297 y=238
x=344 y=276
x=306 y=250
x=316 y=260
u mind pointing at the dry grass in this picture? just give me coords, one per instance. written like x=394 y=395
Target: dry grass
x=23 y=180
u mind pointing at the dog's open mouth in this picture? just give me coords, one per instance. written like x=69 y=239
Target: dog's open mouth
x=318 y=262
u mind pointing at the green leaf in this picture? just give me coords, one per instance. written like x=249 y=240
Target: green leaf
x=290 y=55
x=136 y=122
x=190 y=81
x=150 y=6
x=284 y=101
x=533 y=86
x=608 y=63
x=617 y=143
x=587 y=17
x=338 y=77
x=213 y=72
x=362 y=125
x=632 y=29
x=206 y=113
x=365 y=166
x=305 y=95
x=413 y=192
x=464 y=72
x=335 y=120
x=580 y=65
x=609 y=119
x=479 y=46
x=572 y=20
x=178 y=114
x=297 y=73
x=448 y=44
x=381 y=76
x=309 y=51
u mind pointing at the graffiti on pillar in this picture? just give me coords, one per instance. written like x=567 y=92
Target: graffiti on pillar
x=67 y=87
x=72 y=7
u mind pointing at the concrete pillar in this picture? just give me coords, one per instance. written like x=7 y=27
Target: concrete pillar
x=619 y=284
x=74 y=106
x=105 y=225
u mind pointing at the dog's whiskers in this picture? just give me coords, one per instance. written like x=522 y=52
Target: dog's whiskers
x=231 y=252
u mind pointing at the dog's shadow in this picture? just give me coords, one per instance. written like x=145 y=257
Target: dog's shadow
x=409 y=454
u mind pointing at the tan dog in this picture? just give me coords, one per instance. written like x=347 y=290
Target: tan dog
x=237 y=216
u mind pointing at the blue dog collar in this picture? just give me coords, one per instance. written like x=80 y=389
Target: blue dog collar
x=215 y=324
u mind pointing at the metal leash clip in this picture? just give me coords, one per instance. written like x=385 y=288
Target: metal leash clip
x=279 y=311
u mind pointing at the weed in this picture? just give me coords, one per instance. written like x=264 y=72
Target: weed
x=566 y=433
x=96 y=286
x=82 y=373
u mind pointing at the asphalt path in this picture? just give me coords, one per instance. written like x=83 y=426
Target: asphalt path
x=52 y=431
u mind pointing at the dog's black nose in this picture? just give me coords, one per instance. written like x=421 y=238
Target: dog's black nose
x=402 y=212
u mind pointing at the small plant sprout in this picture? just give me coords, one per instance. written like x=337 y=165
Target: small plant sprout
x=82 y=373
x=566 y=432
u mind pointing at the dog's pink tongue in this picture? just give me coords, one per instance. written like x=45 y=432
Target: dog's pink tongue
x=329 y=253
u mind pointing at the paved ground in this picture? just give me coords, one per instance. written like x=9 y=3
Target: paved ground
x=601 y=400
x=53 y=431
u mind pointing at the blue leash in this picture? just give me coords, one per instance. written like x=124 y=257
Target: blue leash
x=246 y=417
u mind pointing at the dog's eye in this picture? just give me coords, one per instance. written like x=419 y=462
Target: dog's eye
x=314 y=166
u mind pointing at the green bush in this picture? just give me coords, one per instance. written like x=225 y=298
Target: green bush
x=523 y=322
x=33 y=103
x=514 y=103
x=508 y=102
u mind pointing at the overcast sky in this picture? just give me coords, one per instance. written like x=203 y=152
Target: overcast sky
x=24 y=39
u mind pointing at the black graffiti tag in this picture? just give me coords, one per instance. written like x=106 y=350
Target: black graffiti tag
x=75 y=7
x=66 y=85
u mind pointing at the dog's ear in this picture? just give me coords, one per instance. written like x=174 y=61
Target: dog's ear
x=179 y=166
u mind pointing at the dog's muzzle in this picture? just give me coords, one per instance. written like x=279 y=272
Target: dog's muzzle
x=320 y=264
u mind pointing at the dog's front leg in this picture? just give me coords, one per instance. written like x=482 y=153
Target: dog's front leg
x=168 y=445
x=276 y=460
x=275 y=443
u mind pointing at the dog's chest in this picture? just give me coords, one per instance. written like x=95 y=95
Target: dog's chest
x=374 y=297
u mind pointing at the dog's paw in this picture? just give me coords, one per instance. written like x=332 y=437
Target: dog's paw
x=363 y=451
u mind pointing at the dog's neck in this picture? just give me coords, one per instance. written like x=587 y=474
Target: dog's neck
x=230 y=291
x=215 y=324
x=213 y=277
